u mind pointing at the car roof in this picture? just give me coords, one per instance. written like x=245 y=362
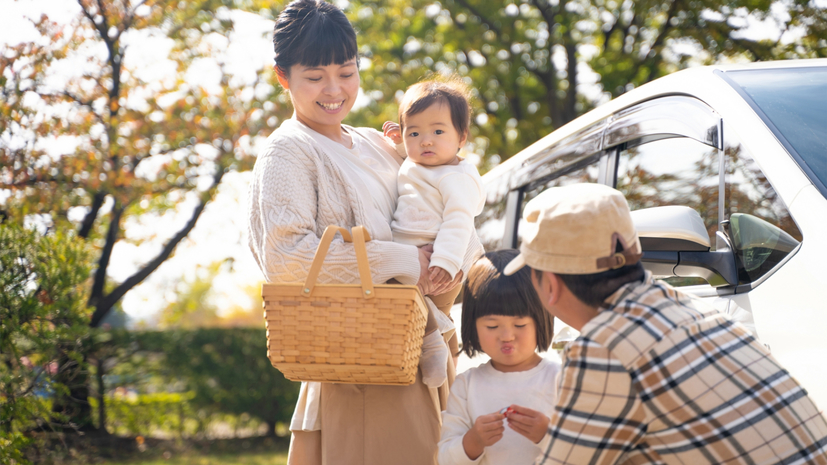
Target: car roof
x=682 y=82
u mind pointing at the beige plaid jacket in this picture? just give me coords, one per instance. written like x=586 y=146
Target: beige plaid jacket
x=660 y=377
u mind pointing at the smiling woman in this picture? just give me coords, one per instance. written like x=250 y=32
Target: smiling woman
x=315 y=172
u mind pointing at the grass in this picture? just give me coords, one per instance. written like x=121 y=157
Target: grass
x=118 y=450
x=188 y=458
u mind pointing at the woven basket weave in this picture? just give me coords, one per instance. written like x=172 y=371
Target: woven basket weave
x=345 y=333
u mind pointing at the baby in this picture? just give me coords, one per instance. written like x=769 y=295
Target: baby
x=439 y=194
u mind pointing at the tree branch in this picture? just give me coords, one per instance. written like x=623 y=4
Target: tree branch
x=103 y=306
x=659 y=40
x=106 y=254
x=92 y=214
x=479 y=15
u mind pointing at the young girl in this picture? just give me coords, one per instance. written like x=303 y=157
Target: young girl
x=439 y=196
x=503 y=317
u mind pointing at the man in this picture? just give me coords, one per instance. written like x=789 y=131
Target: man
x=656 y=376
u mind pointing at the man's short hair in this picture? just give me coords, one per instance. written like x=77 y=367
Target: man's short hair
x=594 y=289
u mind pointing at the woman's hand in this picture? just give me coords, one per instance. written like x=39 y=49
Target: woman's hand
x=447 y=286
x=392 y=130
x=530 y=423
x=424 y=283
x=487 y=430
x=439 y=276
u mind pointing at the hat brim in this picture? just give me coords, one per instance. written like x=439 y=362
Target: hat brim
x=515 y=265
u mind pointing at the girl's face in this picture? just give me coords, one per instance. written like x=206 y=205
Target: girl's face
x=510 y=341
x=430 y=137
x=322 y=96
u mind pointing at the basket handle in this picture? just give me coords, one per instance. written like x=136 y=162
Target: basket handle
x=359 y=236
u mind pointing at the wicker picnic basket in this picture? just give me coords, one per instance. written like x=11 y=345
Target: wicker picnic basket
x=345 y=333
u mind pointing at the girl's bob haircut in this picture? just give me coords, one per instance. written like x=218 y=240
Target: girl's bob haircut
x=488 y=291
x=313 y=33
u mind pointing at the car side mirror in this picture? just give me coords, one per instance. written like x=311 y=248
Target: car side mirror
x=758 y=245
x=675 y=243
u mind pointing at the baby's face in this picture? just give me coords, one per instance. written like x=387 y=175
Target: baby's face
x=430 y=137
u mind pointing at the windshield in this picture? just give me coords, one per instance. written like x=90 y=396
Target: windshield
x=794 y=100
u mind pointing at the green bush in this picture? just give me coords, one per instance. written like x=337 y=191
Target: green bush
x=43 y=327
x=224 y=371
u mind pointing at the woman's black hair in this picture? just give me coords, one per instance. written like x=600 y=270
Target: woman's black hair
x=488 y=291
x=313 y=33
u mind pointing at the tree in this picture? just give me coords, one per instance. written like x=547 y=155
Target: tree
x=43 y=319
x=137 y=145
x=532 y=61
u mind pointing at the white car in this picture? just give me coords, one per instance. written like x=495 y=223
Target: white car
x=726 y=169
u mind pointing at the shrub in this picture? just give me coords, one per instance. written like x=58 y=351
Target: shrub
x=43 y=326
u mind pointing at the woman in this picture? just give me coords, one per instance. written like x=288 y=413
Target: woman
x=316 y=172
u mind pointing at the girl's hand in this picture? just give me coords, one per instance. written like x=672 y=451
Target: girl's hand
x=487 y=430
x=439 y=276
x=392 y=130
x=530 y=423
x=424 y=283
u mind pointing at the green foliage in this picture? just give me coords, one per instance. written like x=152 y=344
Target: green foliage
x=131 y=144
x=43 y=327
x=224 y=371
x=143 y=414
x=191 y=307
x=529 y=59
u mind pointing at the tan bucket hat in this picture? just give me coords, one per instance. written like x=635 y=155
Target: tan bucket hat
x=577 y=229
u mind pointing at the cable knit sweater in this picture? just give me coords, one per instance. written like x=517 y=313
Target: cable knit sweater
x=303 y=182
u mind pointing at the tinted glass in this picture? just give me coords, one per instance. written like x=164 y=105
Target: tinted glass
x=761 y=228
x=795 y=101
x=677 y=171
x=588 y=173
x=491 y=222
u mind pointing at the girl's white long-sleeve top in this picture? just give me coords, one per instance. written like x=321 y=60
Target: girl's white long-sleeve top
x=437 y=204
x=483 y=390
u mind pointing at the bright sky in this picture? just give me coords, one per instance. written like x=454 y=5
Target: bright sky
x=221 y=231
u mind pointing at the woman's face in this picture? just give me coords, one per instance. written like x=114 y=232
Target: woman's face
x=322 y=96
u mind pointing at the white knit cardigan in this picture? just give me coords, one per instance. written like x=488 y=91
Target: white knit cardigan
x=301 y=184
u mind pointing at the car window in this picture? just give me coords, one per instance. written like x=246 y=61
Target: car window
x=491 y=223
x=759 y=224
x=588 y=173
x=792 y=102
x=675 y=171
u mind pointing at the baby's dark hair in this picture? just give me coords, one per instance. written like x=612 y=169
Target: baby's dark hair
x=313 y=33
x=488 y=291
x=451 y=90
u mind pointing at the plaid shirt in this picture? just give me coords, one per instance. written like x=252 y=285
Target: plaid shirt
x=660 y=377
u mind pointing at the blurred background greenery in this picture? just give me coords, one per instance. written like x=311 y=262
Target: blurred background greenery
x=95 y=145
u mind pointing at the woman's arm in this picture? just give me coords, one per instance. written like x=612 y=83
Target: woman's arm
x=284 y=205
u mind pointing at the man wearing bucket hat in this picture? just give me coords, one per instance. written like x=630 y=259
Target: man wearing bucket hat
x=656 y=376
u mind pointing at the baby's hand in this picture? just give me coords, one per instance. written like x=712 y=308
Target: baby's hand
x=439 y=275
x=530 y=423
x=487 y=430
x=392 y=130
